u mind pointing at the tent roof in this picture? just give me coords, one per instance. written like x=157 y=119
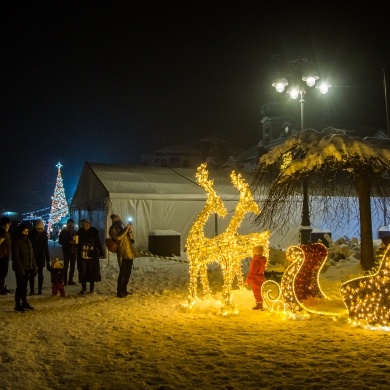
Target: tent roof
x=145 y=182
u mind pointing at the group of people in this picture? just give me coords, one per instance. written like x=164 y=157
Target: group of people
x=30 y=254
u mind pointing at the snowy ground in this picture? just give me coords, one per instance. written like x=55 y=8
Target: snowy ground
x=148 y=341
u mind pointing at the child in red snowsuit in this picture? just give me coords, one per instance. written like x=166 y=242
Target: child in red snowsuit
x=256 y=276
x=57 y=278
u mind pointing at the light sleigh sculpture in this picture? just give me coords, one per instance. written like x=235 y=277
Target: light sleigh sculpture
x=300 y=281
x=229 y=248
x=368 y=297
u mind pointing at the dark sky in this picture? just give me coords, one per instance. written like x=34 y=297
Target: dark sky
x=107 y=81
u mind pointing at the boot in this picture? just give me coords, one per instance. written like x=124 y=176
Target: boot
x=6 y=289
x=26 y=306
x=19 y=307
x=40 y=291
x=32 y=292
x=259 y=306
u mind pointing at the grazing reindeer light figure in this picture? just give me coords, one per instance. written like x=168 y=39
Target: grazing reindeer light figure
x=201 y=249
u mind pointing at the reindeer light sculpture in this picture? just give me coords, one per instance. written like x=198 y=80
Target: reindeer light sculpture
x=200 y=249
x=227 y=248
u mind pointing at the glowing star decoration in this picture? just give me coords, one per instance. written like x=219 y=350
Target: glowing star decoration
x=367 y=298
x=300 y=281
x=227 y=248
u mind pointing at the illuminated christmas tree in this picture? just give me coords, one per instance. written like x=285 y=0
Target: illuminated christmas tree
x=59 y=205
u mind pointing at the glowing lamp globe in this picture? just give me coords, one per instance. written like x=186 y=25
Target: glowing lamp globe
x=294 y=93
x=324 y=87
x=310 y=79
x=280 y=84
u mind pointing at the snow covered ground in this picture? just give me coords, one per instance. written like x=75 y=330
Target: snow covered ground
x=150 y=341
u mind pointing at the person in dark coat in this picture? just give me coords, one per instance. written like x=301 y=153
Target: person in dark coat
x=40 y=243
x=23 y=263
x=256 y=276
x=69 y=249
x=5 y=223
x=89 y=251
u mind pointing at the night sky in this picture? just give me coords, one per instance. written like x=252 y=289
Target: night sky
x=106 y=82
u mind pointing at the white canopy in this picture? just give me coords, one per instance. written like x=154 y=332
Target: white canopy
x=155 y=198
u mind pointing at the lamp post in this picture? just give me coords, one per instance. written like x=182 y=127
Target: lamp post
x=297 y=88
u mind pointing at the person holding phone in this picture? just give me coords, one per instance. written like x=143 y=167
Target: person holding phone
x=123 y=235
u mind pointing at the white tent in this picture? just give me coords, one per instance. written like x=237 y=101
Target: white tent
x=154 y=198
x=165 y=199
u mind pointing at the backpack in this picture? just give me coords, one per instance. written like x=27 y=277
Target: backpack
x=110 y=245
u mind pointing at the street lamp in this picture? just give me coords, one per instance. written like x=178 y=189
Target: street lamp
x=295 y=90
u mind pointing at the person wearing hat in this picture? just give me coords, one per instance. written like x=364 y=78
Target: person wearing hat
x=23 y=263
x=88 y=253
x=40 y=243
x=69 y=250
x=123 y=235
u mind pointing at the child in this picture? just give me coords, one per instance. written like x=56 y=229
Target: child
x=256 y=275
x=57 y=277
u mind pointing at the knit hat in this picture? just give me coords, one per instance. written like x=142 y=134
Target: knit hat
x=39 y=224
x=70 y=220
x=386 y=240
x=56 y=263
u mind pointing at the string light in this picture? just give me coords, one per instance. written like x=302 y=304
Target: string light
x=227 y=248
x=59 y=205
x=300 y=281
x=367 y=297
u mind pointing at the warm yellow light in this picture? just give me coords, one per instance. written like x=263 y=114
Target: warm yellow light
x=300 y=281
x=228 y=248
x=367 y=297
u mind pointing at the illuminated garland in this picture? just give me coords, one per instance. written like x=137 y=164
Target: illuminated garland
x=367 y=297
x=300 y=281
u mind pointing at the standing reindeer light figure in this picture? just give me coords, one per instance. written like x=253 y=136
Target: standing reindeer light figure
x=228 y=248
x=202 y=250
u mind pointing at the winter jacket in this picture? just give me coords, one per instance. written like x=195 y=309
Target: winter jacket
x=89 y=250
x=66 y=240
x=40 y=245
x=6 y=246
x=57 y=275
x=23 y=258
x=256 y=270
x=124 y=240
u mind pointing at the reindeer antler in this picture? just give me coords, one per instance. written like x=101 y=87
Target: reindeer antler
x=202 y=177
x=239 y=182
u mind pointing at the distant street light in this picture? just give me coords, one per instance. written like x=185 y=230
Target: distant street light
x=295 y=88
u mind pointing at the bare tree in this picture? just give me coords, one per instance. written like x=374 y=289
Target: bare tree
x=331 y=164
